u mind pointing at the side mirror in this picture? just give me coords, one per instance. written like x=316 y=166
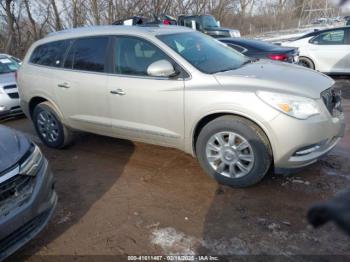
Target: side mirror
x=161 y=68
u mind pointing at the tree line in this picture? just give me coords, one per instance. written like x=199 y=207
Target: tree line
x=24 y=21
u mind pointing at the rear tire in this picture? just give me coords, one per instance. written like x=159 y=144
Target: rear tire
x=234 y=151
x=306 y=62
x=50 y=128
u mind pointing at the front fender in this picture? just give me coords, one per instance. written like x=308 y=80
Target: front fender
x=256 y=111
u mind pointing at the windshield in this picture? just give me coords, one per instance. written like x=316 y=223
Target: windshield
x=204 y=52
x=209 y=21
x=7 y=65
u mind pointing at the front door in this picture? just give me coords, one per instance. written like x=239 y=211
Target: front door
x=144 y=108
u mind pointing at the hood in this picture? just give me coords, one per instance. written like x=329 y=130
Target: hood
x=8 y=78
x=275 y=76
x=13 y=146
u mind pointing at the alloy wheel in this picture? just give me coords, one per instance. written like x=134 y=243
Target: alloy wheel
x=230 y=154
x=48 y=126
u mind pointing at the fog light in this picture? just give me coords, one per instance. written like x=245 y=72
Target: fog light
x=306 y=150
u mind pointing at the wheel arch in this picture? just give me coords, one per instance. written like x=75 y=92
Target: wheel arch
x=310 y=59
x=210 y=117
x=34 y=101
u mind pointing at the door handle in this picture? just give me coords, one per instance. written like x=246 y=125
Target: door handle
x=118 y=92
x=63 y=85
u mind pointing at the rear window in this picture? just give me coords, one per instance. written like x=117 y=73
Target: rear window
x=50 y=54
x=88 y=54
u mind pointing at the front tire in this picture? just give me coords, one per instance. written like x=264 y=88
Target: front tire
x=49 y=127
x=234 y=151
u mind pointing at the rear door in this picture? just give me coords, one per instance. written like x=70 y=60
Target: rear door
x=330 y=50
x=82 y=86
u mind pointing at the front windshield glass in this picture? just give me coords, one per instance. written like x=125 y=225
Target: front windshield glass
x=7 y=65
x=204 y=52
x=209 y=21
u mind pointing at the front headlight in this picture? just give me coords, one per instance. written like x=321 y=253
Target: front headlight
x=1 y=91
x=32 y=164
x=295 y=106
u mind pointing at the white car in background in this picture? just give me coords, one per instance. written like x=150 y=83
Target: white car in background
x=9 y=98
x=17 y=60
x=327 y=51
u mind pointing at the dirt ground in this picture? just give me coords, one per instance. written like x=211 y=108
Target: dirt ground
x=117 y=197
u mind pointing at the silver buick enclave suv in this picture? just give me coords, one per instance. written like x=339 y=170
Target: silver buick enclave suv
x=175 y=87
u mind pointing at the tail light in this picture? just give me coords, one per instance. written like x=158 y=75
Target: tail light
x=166 y=22
x=278 y=57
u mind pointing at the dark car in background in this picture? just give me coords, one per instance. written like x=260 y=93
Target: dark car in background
x=207 y=24
x=262 y=50
x=27 y=195
x=142 y=20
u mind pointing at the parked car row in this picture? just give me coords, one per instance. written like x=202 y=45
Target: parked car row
x=206 y=24
x=323 y=50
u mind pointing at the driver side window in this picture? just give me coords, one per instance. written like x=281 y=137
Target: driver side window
x=133 y=55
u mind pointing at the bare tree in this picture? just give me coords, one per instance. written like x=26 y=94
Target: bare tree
x=7 y=5
x=95 y=12
x=24 y=21
x=31 y=20
x=58 y=24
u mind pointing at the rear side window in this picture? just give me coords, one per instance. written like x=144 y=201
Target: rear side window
x=50 y=54
x=88 y=54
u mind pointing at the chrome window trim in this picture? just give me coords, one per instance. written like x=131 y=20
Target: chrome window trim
x=10 y=174
x=112 y=74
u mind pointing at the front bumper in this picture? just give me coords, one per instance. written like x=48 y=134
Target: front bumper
x=9 y=106
x=292 y=136
x=23 y=223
